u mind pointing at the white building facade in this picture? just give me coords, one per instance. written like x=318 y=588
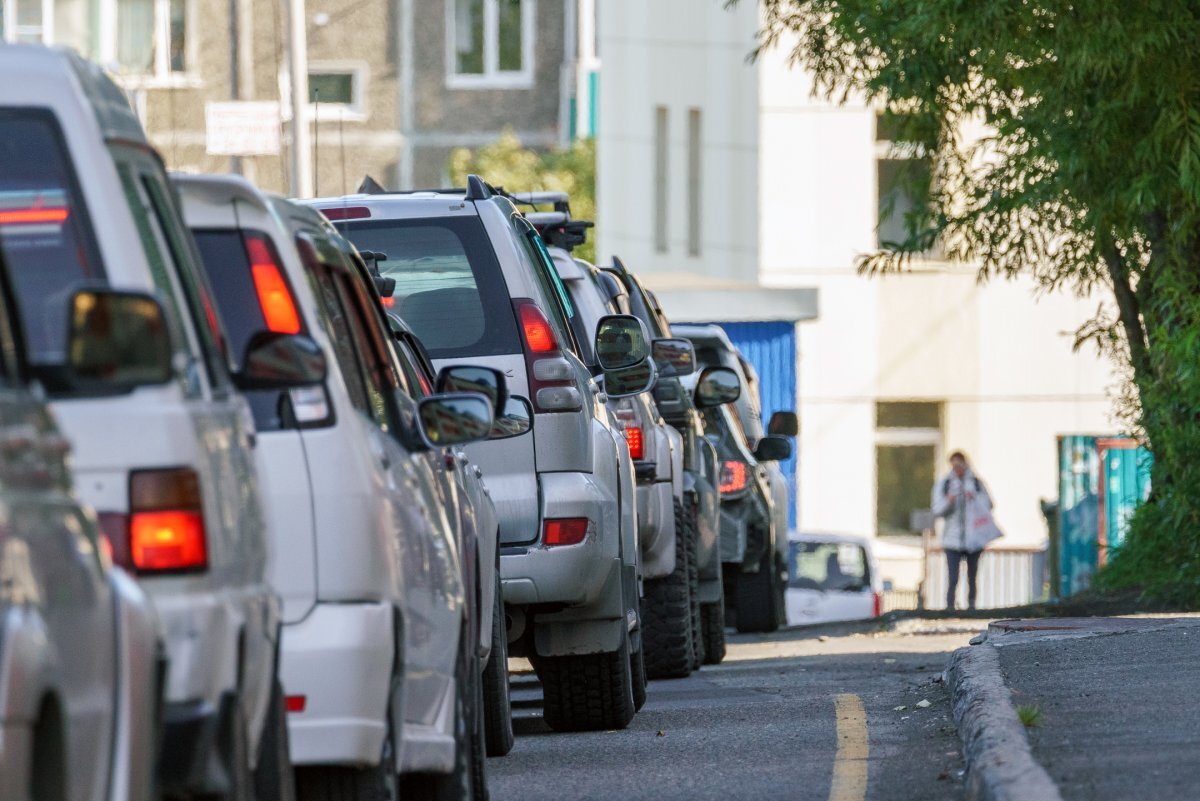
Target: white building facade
x=896 y=372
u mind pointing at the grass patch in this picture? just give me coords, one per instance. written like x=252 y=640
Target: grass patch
x=1030 y=715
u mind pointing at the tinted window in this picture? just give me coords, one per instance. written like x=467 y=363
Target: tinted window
x=449 y=288
x=828 y=566
x=48 y=242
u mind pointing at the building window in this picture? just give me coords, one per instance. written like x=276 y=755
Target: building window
x=490 y=43
x=694 y=184
x=26 y=20
x=152 y=37
x=900 y=167
x=336 y=90
x=662 y=146
x=908 y=447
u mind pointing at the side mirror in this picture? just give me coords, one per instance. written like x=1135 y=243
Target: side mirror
x=467 y=378
x=281 y=361
x=517 y=419
x=674 y=358
x=717 y=386
x=773 y=449
x=117 y=341
x=784 y=424
x=454 y=419
x=621 y=342
x=630 y=380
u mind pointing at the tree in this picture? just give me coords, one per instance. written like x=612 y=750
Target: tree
x=506 y=163
x=1088 y=178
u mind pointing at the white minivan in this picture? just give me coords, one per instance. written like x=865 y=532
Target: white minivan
x=168 y=464
x=380 y=657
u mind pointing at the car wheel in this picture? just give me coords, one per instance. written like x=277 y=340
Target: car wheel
x=712 y=625
x=637 y=669
x=667 y=613
x=587 y=692
x=756 y=597
x=497 y=698
x=693 y=547
x=273 y=776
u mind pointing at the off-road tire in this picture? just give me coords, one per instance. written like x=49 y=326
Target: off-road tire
x=757 y=593
x=667 y=613
x=497 y=698
x=588 y=692
x=274 y=779
x=637 y=670
x=692 y=538
x=712 y=618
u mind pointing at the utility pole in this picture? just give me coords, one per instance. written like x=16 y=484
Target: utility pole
x=302 y=183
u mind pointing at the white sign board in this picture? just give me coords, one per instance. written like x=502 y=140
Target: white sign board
x=242 y=128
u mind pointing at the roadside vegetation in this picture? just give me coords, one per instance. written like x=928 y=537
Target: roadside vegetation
x=510 y=165
x=1057 y=140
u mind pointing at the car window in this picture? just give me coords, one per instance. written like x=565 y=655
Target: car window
x=334 y=320
x=560 y=307
x=828 y=566
x=46 y=235
x=449 y=287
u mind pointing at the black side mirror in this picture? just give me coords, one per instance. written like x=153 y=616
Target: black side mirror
x=630 y=380
x=717 y=386
x=117 y=341
x=674 y=358
x=784 y=424
x=621 y=342
x=454 y=419
x=281 y=361
x=773 y=449
x=469 y=378
x=517 y=419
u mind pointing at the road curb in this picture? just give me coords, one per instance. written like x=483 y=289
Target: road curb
x=1000 y=764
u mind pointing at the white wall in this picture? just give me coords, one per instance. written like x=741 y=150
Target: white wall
x=682 y=54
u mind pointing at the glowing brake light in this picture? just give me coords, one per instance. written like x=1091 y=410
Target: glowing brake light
x=166 y=523
x=565 y=531
x=539 y=336
x=733 y=476
x=33 y=216
x=637 y=445
x=274 y=297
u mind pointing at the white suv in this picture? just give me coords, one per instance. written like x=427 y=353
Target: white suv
x=380 y=658
x=474 y=281
x=168 y=464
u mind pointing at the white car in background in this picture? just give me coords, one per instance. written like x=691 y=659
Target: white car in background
x=832 y=577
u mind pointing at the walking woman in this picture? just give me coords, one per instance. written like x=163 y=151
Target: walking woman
x=963 y=501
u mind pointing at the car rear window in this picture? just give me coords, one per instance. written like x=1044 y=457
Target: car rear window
x=449 y=288
x=48 y=242
x=828 y=566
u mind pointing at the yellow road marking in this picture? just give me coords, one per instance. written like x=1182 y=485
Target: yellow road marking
x=850 y=762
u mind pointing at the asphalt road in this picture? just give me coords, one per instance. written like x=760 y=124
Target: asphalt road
x=797 y=715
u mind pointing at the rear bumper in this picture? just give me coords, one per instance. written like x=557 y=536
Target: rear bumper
x=340 y=658
x=571 y=575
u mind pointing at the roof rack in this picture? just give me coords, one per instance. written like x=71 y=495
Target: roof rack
x=477 y=189
x=559 y=200
x=558 y=229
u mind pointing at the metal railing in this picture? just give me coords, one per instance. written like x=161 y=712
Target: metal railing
x=1008 y=576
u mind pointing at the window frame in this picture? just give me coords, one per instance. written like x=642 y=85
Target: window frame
x=492 y=76
x=908 y=437
x=356 y=109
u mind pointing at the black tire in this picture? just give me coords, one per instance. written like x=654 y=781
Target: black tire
x=667 y=614
x=337 y=783
x=712 y=618
x=691 y=537
x=637 y=669
x=466 y=782
x=757 y=607
x=273 y=776
x=588 y=692
x=497 y=698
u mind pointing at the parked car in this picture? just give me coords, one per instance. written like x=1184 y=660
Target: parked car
x=81 y=662
x=474 y=281
x=672 y=639
x=832 y=577
x=164 y=455
x=378 y=650
x=702 y=507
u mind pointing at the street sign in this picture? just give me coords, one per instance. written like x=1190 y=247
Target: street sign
x=242 y=128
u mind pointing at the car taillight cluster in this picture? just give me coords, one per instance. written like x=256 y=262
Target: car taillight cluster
x=274 y=295
x=551 y=377
x=565 y=531
x=734 y=476
x=164 y=530
x=637 y=445
x=877 y=604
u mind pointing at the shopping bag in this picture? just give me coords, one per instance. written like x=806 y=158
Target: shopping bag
x=981 y=526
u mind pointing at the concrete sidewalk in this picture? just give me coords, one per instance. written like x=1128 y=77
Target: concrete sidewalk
x=1119 y=701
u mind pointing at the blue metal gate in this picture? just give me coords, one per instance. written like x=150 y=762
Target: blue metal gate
x=771 y=347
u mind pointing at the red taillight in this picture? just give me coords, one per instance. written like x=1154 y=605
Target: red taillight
x=33 y=216
x=733 y=476
x=166 y=524
x=296 y=703
x=346 y=212
x=539 y=336
x=388 y=303
x=877 y=604
x=566 y=531
x=274 y=296
x=637 y=446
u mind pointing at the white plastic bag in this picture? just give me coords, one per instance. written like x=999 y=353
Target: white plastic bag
x=981 y=526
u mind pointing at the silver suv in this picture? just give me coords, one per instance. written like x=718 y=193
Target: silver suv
x=475 y=283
